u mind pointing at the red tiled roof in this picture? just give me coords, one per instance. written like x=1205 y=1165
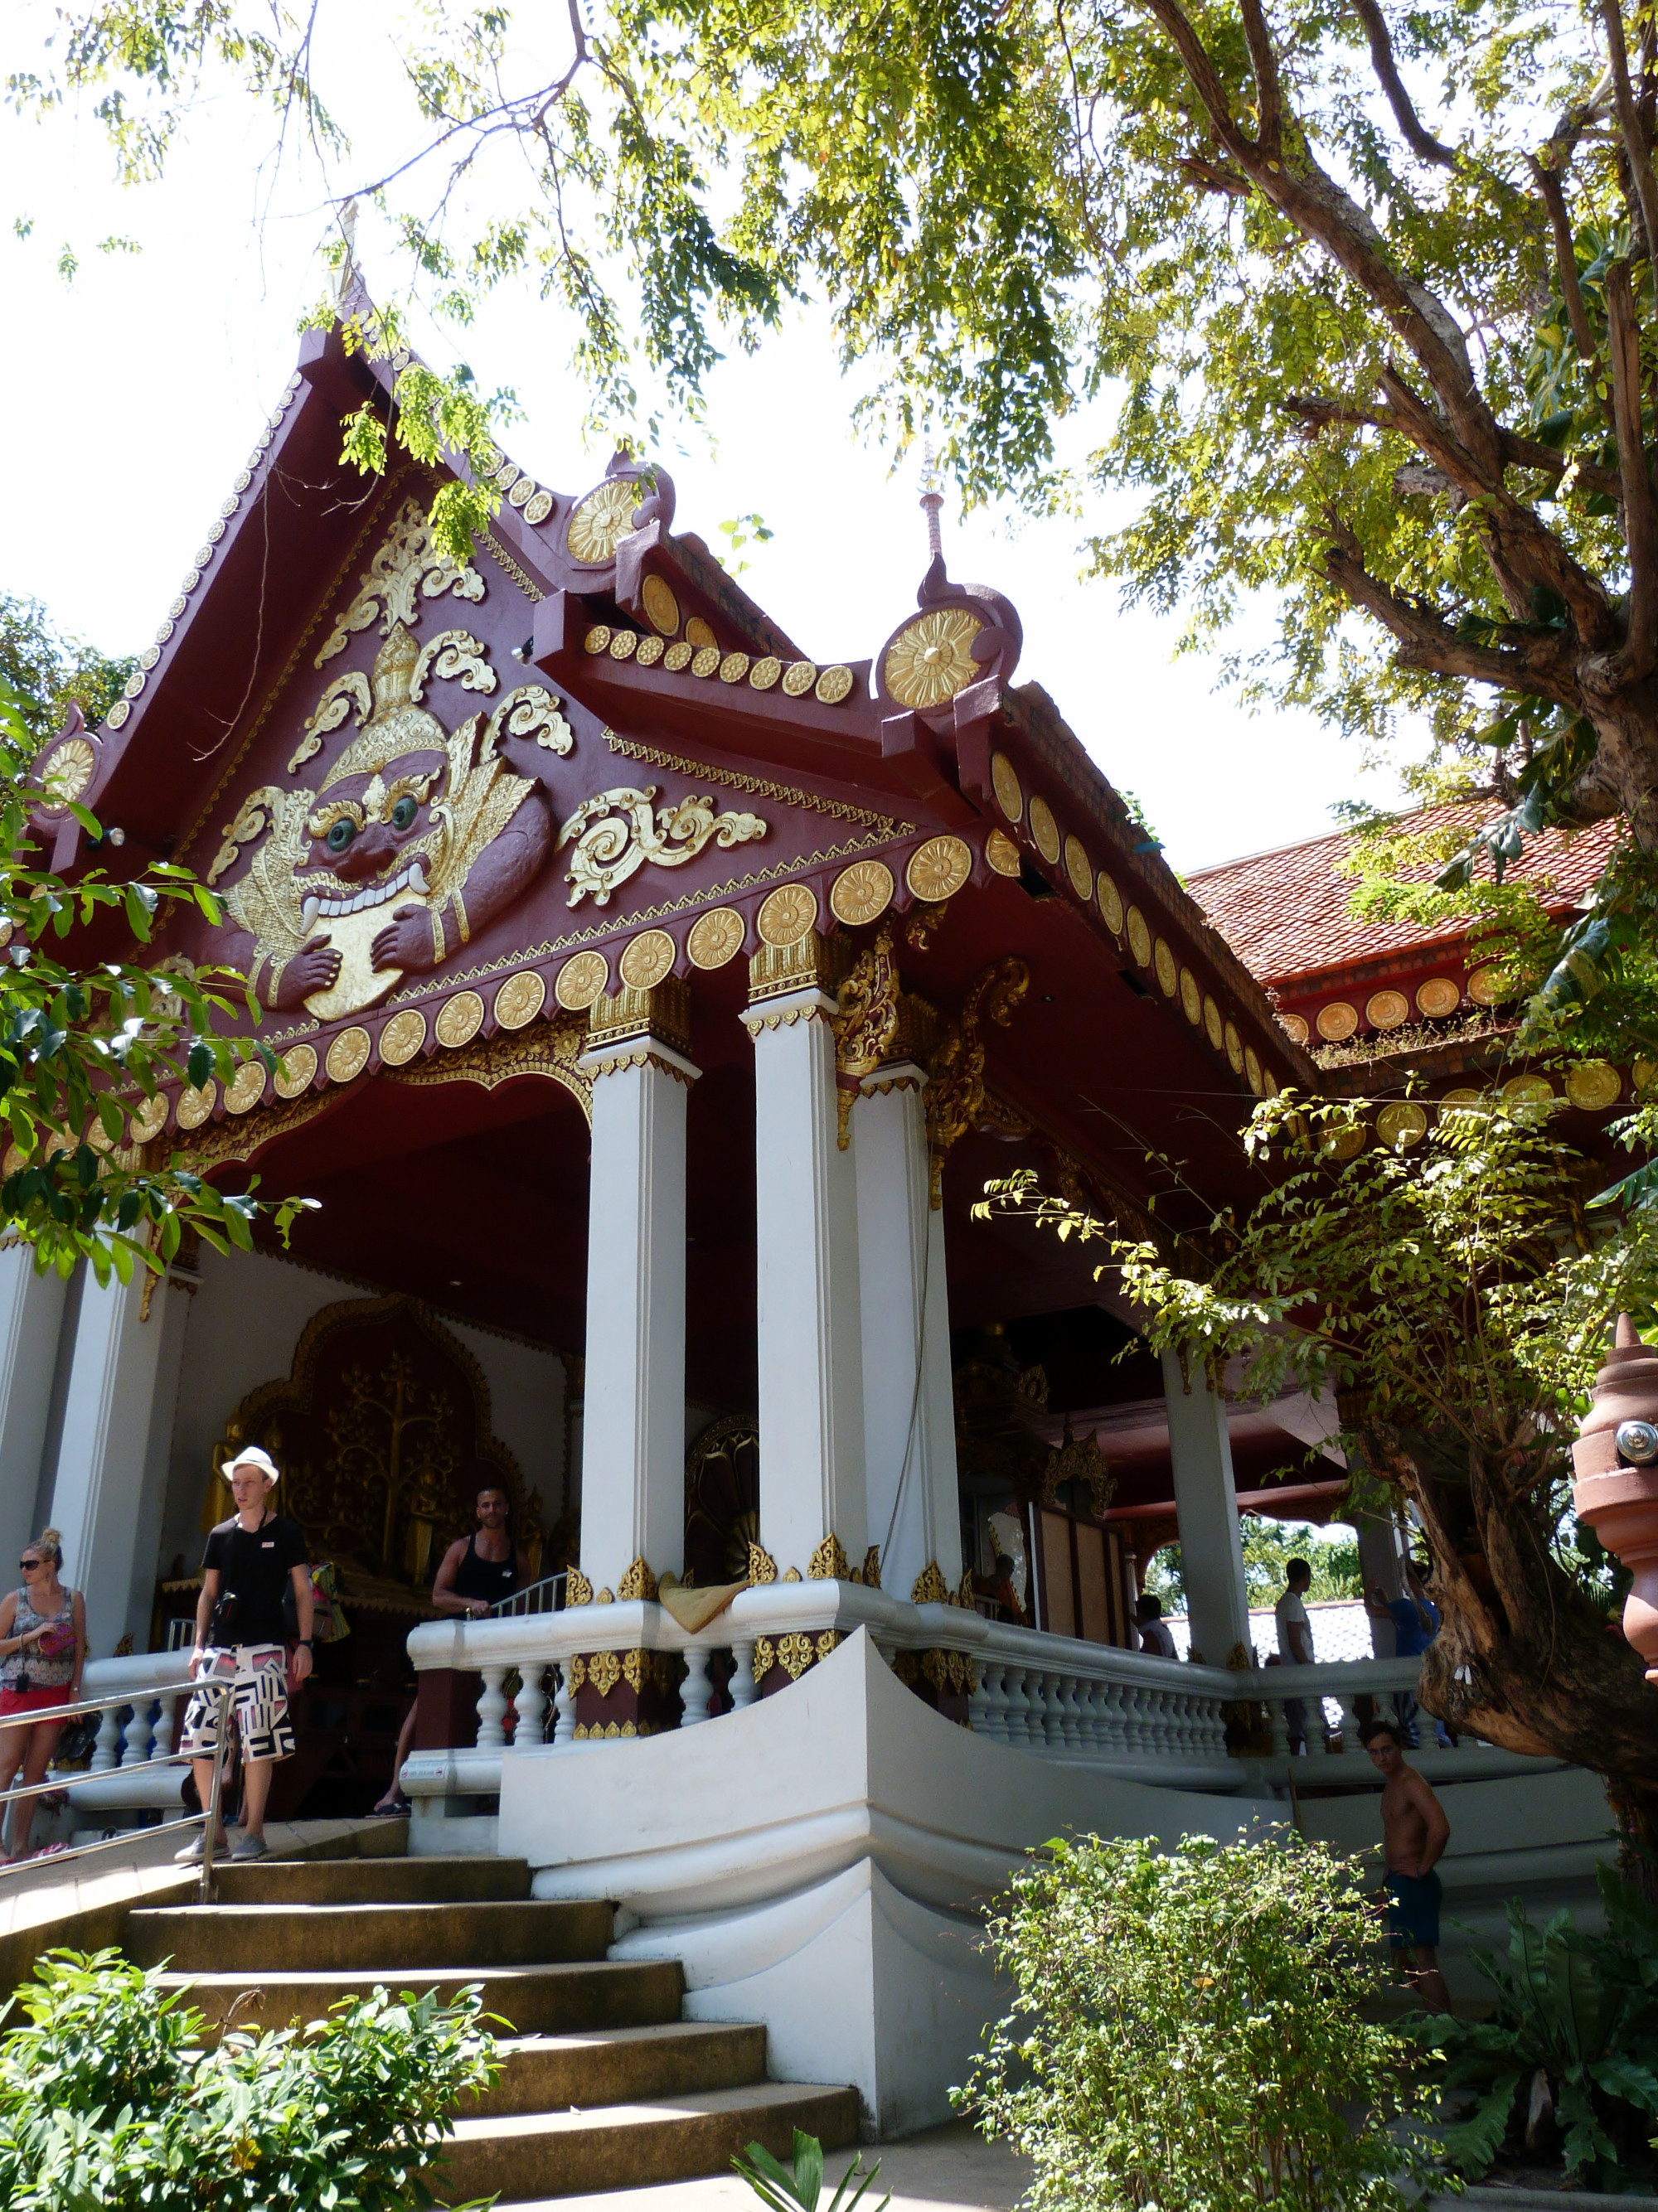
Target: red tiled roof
x=1286 y=913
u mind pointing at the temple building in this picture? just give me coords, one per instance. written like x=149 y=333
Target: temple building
x=654 y=996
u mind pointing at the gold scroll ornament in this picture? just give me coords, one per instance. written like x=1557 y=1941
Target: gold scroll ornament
x=612 y=836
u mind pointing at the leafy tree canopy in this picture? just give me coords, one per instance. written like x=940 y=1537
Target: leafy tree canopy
x=48 y=672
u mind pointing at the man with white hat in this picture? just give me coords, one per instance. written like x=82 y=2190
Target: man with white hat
x=251 y=1562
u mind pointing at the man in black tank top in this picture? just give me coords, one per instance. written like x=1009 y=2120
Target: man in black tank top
x=486 y=1567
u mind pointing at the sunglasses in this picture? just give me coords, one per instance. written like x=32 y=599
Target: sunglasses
x=25 y=1566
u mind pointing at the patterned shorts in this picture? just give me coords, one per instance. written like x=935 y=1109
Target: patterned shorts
x=257 y=1674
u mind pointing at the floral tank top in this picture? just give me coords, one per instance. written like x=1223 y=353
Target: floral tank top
x=49 y=1664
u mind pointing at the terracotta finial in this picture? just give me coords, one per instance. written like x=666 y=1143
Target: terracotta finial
x=1627 y=1336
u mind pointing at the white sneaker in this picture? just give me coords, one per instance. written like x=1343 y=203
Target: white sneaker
x=249 y=1847
x=193 y=1852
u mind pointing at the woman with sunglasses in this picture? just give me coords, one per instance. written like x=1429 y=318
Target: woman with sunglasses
x=43 y=1647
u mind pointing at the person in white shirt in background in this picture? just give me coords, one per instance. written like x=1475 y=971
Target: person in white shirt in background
x=1156 y=1634
x=1296 y=1646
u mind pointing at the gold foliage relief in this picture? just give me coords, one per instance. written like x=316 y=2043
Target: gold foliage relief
x=406 y=569
x=615 y=833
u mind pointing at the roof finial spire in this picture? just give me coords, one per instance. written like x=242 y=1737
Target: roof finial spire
x=932 y=500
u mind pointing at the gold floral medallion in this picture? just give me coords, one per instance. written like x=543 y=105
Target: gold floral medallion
x=677 y=657
x=707 y=660
x=66 y=772
x=1213 y=1028
x=1252 y=1070
x=246 y=1089
x=522 y=492
x=764 y=674
x=1294 y=1026
x=1234 y=1051
x=1437 y=997
x=662 y=608
x=733 y=668
x=1592 y=1085
x=402 y=1037
x=1111 y=902
x=601 y=521
x=597 y=640
x=1400 y=1125
x=1528 y=1089
x=650 y=652
x=860 y=892
x=459 y=1019
x=716 y=936
x=931 y=660
x=623 y=643
x=646 y=959
x=1169 y=973
x=581 y=980
x=1386 y=1010
x=540 y=508
x=1004 y=782
x=938 y=869
x=833 y=685
x=1489 y=986
x=149 y=1118
x=787 y=914
x=1191 y=997
x=1337 y=1022
x=798 y=677
x=1003 y=854
x=348 y=1054
x=1045 y=830
x=699 y=634
x=195 y=1105
x=1080 y=869
x=1139 y=937
x=519 y=999
x=298 y=1071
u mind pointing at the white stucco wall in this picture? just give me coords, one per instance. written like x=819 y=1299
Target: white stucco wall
x=245 y=1322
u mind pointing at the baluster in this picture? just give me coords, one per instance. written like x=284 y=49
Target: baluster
x=1113 y=1738
x=140 y=1730
x=1024 y=1731
x=1158 y=1706
x=1134 y=1734
x=1214 y=1726
x=980 y=1699
x=991 y=1711
x=696 y=1690
x=564 y=1704
x=530 y=1706
x=1084 y=1691
x=1280 y=1727
x=744 y=1688
x=492 y=1711
x=1191 y=1737
x=1071 y=1711
x=106 y=1753
x=1053 y=1712
x=1350 y=1725
x=167 y=1713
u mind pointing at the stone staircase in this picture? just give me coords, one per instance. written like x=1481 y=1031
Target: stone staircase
x=605 y=2086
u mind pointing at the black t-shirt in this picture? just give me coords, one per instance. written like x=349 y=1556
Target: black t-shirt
x=255 y=1566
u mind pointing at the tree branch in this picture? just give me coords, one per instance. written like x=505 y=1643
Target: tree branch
x=1421 y=143
x=1636 y=151
x=1269 y=95
x=1640 y=648
x=1550 y=184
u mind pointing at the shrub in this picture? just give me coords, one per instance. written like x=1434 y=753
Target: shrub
x=109 y=2097
x=1571 y=2049
x=1189 y=2032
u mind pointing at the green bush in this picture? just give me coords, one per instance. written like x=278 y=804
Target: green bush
x=1190 y=2032
x=1571 y=2050
x=110 y=2098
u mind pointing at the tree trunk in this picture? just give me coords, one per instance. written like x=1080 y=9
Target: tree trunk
x=1531 y=1666
x=1624 y=778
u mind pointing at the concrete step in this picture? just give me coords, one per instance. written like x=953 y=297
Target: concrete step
x=378 y=1879
x=546 y=2073
x=388 y=1939
x=633 y=2145
x=553 y=1999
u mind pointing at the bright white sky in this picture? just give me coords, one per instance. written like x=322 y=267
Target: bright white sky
x=132 y=395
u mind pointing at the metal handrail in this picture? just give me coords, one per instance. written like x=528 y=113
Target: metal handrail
x=113 y=1701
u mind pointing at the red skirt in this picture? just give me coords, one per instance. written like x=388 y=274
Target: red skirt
x=34 y=1701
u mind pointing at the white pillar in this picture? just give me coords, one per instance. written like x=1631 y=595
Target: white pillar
x=31 y=1315
x=107 y=1492
x=811 y=1395
x=1380 y=1562
x=909 y=1412
x=1206 y=1506
x=633 y=1408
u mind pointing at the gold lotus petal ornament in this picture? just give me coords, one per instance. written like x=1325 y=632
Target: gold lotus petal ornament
x=787 y=914
x=402 y=1037
x=1252 y=1070
x=931 y=660
x=149 y=1119
x=707 y=661
x=597 y=640
x=1234 y=1051
x=581 y=980
x=650 y=652
x=196 y=1105
x=1002 y=854
x=459 y=1019
x=519 y=999
x=348 y=1054
x=716 y=936
x=764 y=674
x=601 y=521
x=246 y=1088
x=833 y=685
x=540 y=508
x=798 y=677
x=646 y=959
x=623 y=644
x=298 y=1071
x=938 y=869
x=69 y=768
x=861 y=892
x=733 y=668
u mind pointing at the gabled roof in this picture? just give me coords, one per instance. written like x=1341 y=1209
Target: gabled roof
x=1288 y=913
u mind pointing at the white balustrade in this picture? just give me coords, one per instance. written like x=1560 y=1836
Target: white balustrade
x=492 y=1709
x=696 y=1690
x=743 y=1688
x=530 y=1709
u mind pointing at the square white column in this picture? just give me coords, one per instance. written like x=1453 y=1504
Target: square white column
x=109 y=1485
x=909 y=1412
x=31 y=1316
x=633 y=1408
x=810 y=1394
x=1206 y=1506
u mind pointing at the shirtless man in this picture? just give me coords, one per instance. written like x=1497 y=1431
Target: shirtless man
x=1414 y=1834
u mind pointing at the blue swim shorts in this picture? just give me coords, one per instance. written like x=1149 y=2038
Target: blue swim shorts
x=1413 y=1911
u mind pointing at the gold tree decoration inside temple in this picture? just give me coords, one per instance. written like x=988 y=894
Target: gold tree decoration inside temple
x=390 y=1440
